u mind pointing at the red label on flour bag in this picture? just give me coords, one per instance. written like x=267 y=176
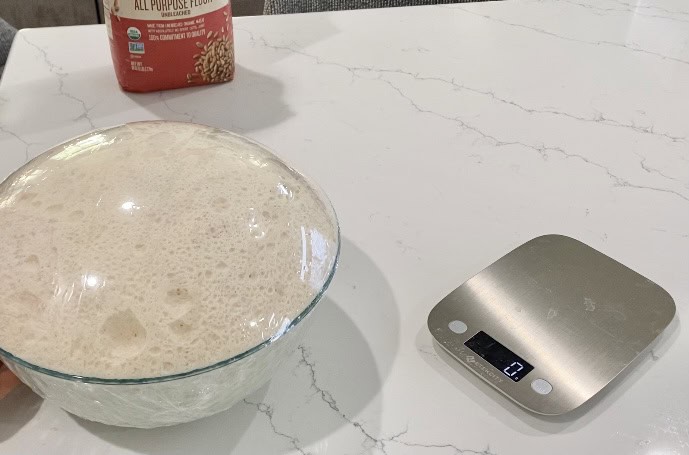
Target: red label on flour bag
x=164 y=44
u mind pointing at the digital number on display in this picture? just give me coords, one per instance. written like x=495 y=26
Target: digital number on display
x=510 y=364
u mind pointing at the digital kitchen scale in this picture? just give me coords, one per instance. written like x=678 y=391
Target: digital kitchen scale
x=551 y=323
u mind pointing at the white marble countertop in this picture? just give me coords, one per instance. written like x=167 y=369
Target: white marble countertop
x=445 y=136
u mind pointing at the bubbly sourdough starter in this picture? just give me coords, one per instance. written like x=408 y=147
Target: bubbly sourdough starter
x=155 y=248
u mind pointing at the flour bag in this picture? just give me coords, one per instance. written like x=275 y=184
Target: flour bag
x=165 y=44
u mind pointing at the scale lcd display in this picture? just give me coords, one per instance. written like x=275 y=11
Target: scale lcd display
x=510 y=364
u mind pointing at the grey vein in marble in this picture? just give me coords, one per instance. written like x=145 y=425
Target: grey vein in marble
x=268 y=412
x=189 y=117
x=328 y=399
x=427 y=350
x=617 y=180
x=61 y=75
x=652 y=170
x=575 y=40
x=381 y=444
x=637 y=6
x=27 y=144
x=595 y=9
x=599 y=118
x=454 y=448
x=543 y=150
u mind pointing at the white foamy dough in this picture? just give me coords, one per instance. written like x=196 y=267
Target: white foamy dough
x=155 y=248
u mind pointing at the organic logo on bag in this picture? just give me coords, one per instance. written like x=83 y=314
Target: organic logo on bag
x=133 y=33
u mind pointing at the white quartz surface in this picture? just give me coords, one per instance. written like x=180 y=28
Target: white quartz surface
x=445 y=136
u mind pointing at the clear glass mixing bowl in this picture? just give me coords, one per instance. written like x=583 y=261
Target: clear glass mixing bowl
x=109 y=303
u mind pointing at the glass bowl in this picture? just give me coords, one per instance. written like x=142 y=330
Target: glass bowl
x=158 y=272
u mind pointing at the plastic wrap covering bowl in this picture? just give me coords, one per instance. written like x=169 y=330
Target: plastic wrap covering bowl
x=158 y=272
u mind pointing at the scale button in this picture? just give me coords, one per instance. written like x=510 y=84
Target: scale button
x=541 y=386
x=457 y=326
